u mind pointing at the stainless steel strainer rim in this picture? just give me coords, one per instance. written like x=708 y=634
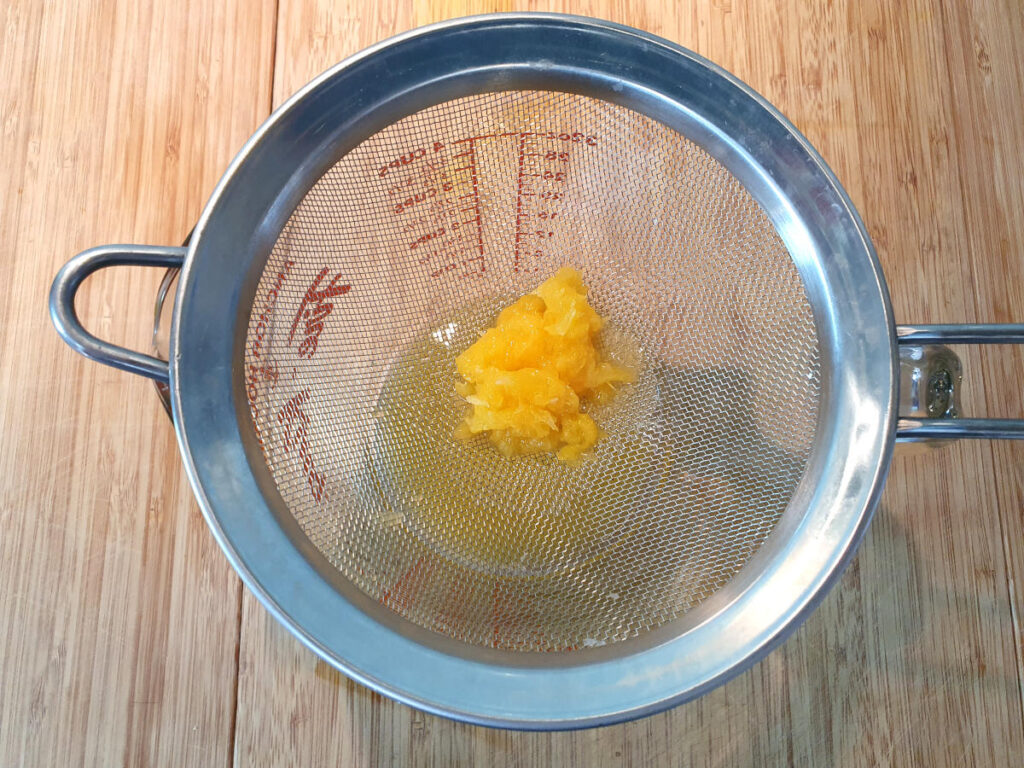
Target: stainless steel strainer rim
x=808 y=207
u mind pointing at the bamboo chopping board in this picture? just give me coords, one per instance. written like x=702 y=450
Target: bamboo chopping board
x=125 y=638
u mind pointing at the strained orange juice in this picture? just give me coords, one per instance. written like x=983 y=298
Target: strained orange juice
x=527 y=515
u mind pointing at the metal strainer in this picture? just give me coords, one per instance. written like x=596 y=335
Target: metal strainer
x=375 y=225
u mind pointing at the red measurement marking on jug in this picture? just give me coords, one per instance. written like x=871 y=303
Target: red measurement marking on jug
x=409 y=157
x=434 y=192
x=295 y=423
x=542 y=182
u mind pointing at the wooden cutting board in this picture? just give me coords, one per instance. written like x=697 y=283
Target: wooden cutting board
x=125 y=637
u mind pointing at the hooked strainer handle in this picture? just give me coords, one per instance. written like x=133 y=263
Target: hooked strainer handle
x=70 y=328
x=930 y=391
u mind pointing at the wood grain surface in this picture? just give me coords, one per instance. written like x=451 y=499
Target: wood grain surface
x=125 y=638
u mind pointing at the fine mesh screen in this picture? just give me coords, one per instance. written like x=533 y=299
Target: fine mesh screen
x=398 y=258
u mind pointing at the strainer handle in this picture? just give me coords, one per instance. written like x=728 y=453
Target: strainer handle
x=70 y=328
x=947 y=426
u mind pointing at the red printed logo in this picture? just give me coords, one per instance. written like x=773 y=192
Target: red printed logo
x=314 y=310
x=261 y=369
x=295 y=423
